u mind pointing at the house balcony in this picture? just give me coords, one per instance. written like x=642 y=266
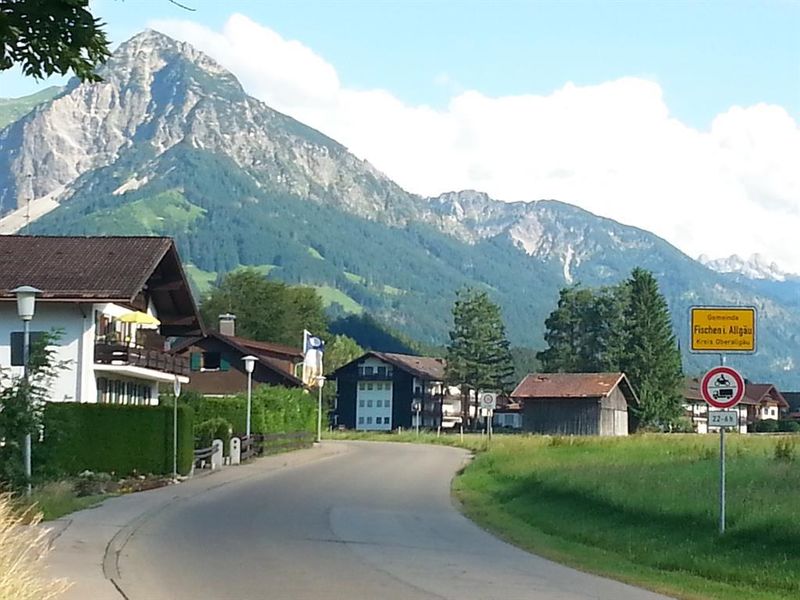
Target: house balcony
x=382 y=376
x=140 y=362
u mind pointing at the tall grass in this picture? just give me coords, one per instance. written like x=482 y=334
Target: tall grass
x=22 y=550
x=649 y=503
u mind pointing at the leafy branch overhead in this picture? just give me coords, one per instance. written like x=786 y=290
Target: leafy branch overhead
x=49 y=37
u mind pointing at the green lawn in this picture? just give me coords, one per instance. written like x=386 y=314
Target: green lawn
x=642 y=509
x=332 y=295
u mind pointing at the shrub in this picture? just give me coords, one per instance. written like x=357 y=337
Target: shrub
x=234 y=410
x=286 y=410
x=116 y=439
x=785 y=450
x=22 y=553
x=767 y=426
x=788 y=426
x=215 y=428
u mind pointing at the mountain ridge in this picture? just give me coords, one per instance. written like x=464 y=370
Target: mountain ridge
x=170 y=143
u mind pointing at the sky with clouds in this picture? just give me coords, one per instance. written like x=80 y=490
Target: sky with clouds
x=680 y=118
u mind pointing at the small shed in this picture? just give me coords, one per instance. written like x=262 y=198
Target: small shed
x=575 y=403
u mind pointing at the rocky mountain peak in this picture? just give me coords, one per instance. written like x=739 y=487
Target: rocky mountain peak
x=755 y=267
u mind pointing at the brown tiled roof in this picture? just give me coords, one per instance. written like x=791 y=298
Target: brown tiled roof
x=80 y=268
x=424 y=367
x=757 y=393
x=570 y=385
x=289 y=351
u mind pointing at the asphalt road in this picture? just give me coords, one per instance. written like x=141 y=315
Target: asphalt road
x=374 y=521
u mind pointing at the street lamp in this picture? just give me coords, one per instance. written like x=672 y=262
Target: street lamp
x=320 y=379
x=249 y=366
x=26 y=306
x=176 y=388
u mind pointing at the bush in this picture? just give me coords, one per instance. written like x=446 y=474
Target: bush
x=785 y=450
x=788 y=426
x=117 y=439
x=234 y=410
x=216 y=428
x=767 y=426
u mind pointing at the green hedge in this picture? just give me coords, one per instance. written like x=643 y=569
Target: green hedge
x=233 y=409
x=274 y=410
x=116 y=439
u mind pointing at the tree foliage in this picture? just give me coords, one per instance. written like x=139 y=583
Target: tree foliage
x=22 y=403
x=265 y=310
x=47 y=37
x=651 y=359
x=622 y=328
x=479 y=355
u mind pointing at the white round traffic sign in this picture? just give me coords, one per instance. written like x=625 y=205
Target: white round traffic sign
x=488 y=400
x=722 y=387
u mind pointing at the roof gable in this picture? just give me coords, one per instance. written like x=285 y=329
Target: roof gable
x=572 y=385
x=423 y=367
x=102 y=269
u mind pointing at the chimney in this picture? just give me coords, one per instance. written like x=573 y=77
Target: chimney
x=227 y=324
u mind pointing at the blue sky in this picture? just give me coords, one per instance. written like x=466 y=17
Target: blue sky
x=664 y=115
x=707 y=56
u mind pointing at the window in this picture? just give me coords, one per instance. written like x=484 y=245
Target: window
x=362 y=385
x=379 y=403
x=361 y=403
x=369 y=420
x=369 y=403
x=360 y=420
x=379 y=386
x=367 y=371
x=211 y=361
x=381 y=371
x=369 y=386
x=417 y=390
x=17 y=342
x=387 y=403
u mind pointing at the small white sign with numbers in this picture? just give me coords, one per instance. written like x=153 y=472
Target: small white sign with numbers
x=723 y=418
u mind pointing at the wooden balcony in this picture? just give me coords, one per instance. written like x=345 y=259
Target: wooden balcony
x=108 y=353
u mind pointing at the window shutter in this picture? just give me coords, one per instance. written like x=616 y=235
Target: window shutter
x=224 y=365
x=195 y=361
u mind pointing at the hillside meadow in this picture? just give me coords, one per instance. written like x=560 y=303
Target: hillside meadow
x=643 y=509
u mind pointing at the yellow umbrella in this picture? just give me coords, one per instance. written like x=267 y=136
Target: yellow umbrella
x=139 y=318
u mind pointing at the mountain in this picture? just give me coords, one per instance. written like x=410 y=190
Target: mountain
x=12 y=109
x=755 y=267
x=170 y=143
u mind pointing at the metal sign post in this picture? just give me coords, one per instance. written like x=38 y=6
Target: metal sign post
x=417 y=406
x=488 y=402
x=722 y=387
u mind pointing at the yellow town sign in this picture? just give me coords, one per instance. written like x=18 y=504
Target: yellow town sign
x=723 y=329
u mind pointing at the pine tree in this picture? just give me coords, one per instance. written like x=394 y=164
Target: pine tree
x=479 y=355
x=651 y=359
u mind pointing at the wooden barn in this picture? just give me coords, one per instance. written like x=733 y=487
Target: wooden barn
x=575 y=403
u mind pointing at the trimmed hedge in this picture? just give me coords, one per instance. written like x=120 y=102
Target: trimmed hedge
x=274 y=410
x=116 y=439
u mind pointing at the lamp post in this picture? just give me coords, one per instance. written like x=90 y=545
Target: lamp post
x=320 y=379
x=249 y=366
x=26 y=306
x=176 y=388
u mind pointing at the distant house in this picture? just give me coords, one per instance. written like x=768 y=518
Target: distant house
x=115 y=300
x=575 y=403
x=377 y=392
x=761 y=401
x=507 y=415
x=216 y=364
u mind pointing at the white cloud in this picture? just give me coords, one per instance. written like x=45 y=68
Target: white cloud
x=611 y=148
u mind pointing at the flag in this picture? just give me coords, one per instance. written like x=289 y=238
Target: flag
x=313 y=348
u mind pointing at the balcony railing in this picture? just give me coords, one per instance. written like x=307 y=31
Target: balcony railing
x=120 y=354
x=374 y=376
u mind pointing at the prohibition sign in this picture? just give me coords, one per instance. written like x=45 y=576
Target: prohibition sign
x=722 y=387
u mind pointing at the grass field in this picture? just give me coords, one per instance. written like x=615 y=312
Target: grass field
x=644 y=509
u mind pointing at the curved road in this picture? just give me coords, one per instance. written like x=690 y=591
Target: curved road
x=370 y=521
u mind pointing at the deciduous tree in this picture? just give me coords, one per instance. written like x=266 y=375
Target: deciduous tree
x=48 y=37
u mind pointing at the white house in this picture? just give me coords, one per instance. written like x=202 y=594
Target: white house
x=114 y=302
